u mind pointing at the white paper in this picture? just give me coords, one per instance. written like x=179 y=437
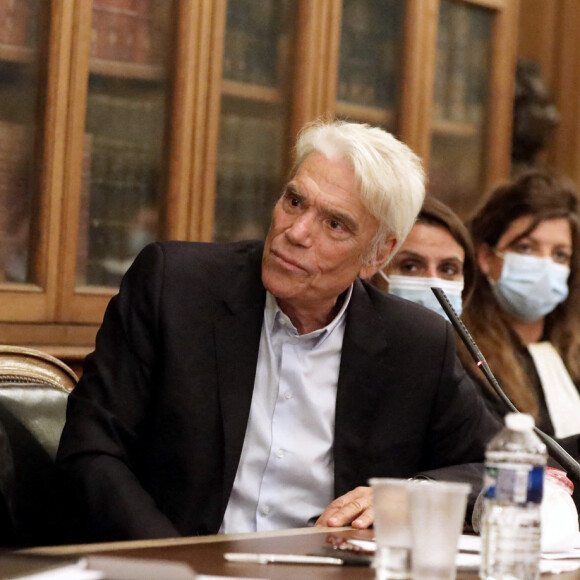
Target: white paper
x=66 y=574
x=469 y=549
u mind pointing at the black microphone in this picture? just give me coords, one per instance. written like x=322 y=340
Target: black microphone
x=554 y=448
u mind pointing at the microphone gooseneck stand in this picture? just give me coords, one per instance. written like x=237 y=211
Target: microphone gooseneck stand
x=554 y=448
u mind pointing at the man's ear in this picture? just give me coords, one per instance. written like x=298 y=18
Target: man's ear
x=484 y=256
x=383 y=254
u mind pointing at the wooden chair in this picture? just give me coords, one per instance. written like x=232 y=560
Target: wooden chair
x=34 y=388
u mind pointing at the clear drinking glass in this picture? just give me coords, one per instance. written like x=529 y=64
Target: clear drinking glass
x=437 y=513
x=392 y=528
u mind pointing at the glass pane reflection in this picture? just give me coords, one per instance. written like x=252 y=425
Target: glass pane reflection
x=254 y=110
x=19 y=99
x=248 y=183
x=371 y=51
x=124 y=136
x=457 y=161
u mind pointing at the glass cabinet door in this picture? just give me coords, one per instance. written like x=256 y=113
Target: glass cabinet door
x=121 y=189
x=457 y=171
x=22 y=24
x=370 y=61
x=254 y=117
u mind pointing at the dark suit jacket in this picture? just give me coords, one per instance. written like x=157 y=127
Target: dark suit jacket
x=156 y=425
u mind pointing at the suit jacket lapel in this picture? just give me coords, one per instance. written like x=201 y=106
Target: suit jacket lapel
x=362 y=367
x=237 y=339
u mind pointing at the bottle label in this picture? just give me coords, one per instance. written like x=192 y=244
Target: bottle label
x=513 y=482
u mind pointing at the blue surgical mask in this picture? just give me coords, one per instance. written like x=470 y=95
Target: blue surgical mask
x=418 y=290
x=529 y=286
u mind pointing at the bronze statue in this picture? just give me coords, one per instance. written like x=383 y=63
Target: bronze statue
x=535 y=115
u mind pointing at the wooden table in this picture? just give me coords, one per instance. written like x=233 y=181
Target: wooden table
x=205 y=554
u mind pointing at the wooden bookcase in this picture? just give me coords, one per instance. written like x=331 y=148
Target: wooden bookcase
x=174 y=119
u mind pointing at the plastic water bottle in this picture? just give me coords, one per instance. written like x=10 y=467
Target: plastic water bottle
x=512 y=496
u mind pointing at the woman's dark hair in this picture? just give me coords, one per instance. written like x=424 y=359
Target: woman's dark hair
x=541 y=196
x=537 y=194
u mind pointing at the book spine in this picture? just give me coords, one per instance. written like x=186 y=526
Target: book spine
x=251 y=51
x=84 y=200
x=14 y=16
x=389 y=48
x=263 y=27
x=229 y=174
x=441 y=79
x=458 y=72
x=16 y=194
x=478 y=64
x=356 y=81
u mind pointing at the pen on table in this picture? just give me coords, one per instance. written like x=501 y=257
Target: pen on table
x=281 y=558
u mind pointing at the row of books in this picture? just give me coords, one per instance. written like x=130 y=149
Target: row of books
x=254 y=32
x=84 y=201
x=130 y=30
x=19 y=22
x=122 y=30
x=135 y=117
x=119 y=182
x=370 y=53
x=456 y=173
x=123 y=180
x=462 y=64
x=124 y=150
x=244 y=206
x=250 y=167
x=250 y=145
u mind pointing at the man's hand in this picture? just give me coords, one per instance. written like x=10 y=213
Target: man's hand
x=354 y=508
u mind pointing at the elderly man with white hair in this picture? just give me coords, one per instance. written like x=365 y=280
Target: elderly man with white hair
x=259 y=385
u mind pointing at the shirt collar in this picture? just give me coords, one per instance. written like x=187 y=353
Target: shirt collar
x=277 y=320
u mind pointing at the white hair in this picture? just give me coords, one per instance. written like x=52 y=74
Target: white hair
x=390 y=176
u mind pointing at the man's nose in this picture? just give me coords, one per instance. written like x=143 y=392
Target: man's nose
x=301 y=230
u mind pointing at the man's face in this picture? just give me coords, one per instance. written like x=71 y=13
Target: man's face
x=319 y=236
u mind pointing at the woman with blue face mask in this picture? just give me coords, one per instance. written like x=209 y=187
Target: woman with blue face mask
x=524 y=312
x=437 y=252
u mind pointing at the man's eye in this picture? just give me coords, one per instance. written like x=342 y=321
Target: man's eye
x=292 y=199
x=336 y=227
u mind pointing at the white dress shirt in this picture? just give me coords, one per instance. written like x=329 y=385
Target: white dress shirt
x=285 y=477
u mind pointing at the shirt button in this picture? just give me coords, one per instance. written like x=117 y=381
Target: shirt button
x=265 y=511
x=280 y=453
x=288 y=395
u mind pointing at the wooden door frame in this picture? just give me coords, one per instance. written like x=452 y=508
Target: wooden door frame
x=37 y=302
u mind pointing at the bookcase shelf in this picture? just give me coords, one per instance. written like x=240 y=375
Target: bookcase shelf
x=455 y=128
x=180 y=122
x=372 y=115
x=25 y=288
x=128 y=70
x=12 y=53
x=250 y=92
